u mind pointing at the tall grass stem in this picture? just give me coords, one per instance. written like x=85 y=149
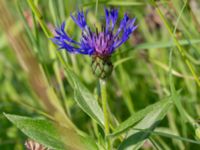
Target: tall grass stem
x=181 y=50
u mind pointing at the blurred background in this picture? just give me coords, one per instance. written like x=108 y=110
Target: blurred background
x=148 y=67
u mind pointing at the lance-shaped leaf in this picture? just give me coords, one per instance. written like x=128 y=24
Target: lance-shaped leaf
x=135 y=139
x=49 y=134
x=131 y=121
x=84 y=98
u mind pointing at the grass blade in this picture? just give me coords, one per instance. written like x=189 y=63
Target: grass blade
x=135 y=139
x=139 y=116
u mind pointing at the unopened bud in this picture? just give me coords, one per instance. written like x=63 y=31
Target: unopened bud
x=102 y=67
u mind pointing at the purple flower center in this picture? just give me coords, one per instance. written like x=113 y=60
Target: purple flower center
x=101 y=43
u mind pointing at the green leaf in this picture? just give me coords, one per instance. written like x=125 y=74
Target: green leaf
x=48 y=134
x=125 y=3
x=116 y=3
x=135 y=139
x=169 y=135
x=122 y=60
x=159 y=44
x=172 y=136
x=169 y=44
x=85 y=99
x=139 y=116
x=39 y=130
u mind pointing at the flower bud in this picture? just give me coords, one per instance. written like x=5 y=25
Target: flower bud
x=101 y=67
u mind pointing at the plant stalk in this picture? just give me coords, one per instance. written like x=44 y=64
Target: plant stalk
x=105 y=111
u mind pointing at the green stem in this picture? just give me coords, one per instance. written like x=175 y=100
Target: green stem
x=96 y=9
x=49 y=34
x=45 y=29
x=105 y=111
x=40 y=18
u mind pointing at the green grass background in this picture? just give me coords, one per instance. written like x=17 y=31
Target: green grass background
x=160 y=59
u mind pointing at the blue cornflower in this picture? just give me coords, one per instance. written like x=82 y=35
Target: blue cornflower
x=99 y=45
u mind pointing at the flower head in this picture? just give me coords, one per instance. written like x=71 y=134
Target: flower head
x=99 y=44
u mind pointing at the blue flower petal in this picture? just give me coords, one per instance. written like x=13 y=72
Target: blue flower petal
x=101 y=43
x=80 y=19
